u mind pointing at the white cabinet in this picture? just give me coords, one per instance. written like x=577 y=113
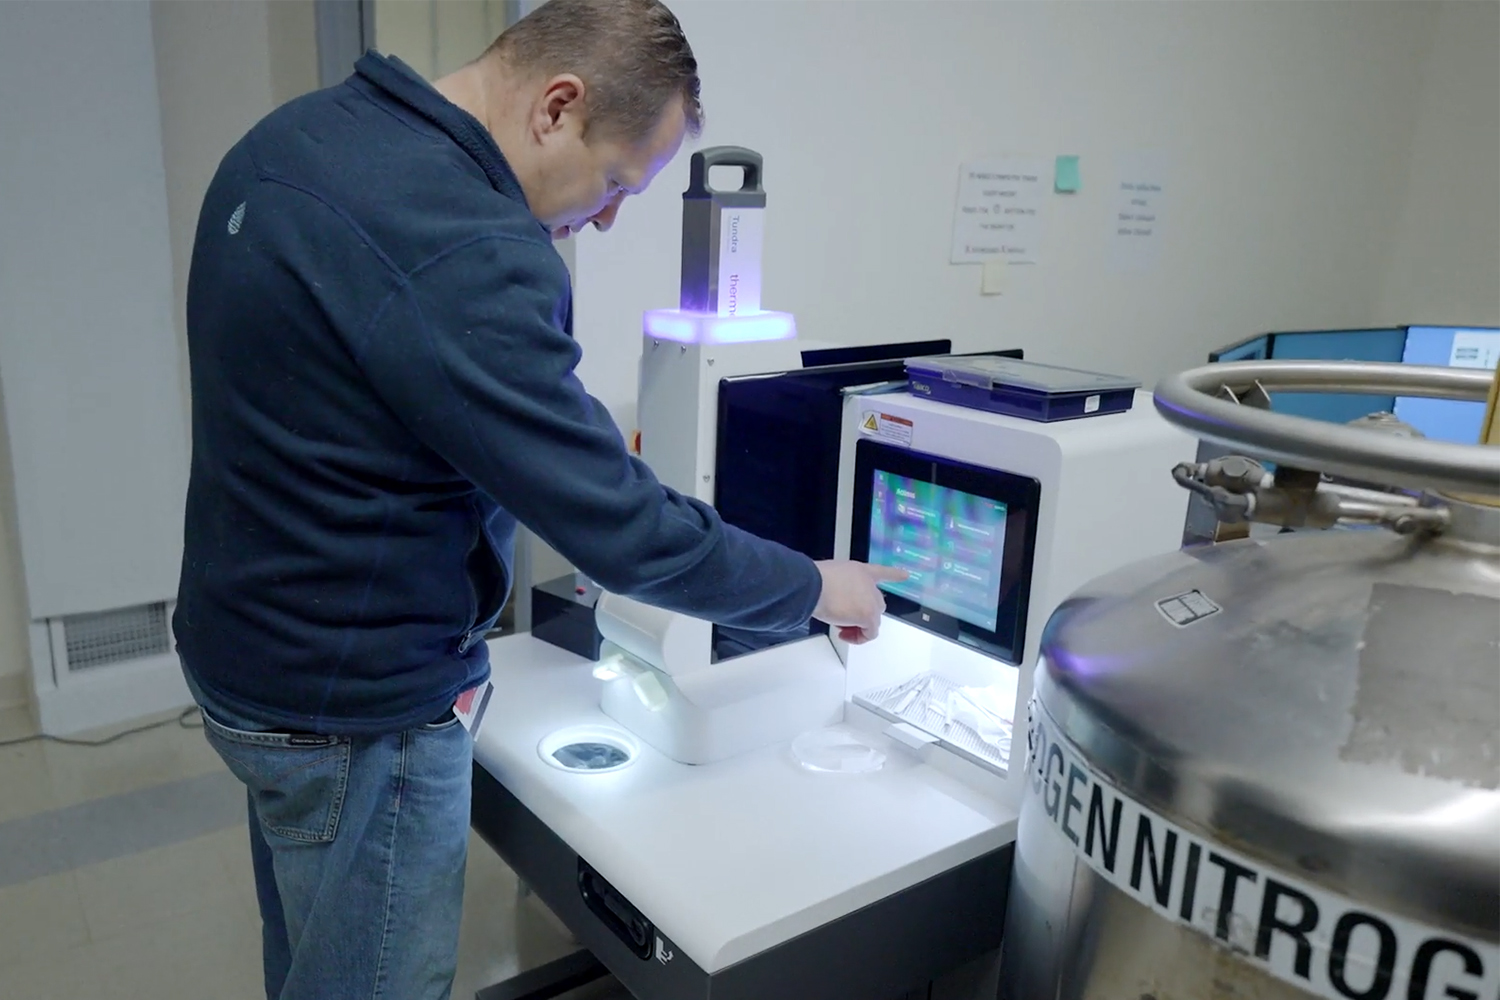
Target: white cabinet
x=89 y=359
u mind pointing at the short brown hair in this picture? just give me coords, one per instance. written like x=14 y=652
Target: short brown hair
x=631 y=55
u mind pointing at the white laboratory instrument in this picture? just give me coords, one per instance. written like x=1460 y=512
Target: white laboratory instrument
x=729 y=863
x=662 y=685
x=758 y=873
x=724 y=816
x=999 y=519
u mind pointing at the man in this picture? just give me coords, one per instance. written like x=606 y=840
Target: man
x=382 y=364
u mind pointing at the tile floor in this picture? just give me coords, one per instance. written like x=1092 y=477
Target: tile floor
x=125 y=873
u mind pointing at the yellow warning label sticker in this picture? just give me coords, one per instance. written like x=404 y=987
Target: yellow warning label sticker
x=883 y=425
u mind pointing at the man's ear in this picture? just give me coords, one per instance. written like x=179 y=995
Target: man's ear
x=562 y=98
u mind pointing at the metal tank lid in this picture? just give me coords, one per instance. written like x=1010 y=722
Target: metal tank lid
x=1327 y=702
x=1338 y=716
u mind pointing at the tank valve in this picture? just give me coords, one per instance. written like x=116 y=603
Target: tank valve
x=1240 y=490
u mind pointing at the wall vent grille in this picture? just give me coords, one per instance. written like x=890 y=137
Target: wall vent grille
x=101 y=638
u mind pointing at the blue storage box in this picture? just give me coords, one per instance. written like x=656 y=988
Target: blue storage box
x=1020 y=388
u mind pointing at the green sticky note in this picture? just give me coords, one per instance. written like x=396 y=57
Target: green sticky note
x=1067 y=180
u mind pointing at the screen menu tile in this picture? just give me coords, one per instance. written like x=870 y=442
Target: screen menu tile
x=951 y=543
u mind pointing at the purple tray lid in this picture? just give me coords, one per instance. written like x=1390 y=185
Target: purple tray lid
x=993 y=373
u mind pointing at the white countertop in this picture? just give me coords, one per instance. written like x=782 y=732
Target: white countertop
x=732 y=858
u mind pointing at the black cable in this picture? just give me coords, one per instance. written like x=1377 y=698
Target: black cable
x=181 y=720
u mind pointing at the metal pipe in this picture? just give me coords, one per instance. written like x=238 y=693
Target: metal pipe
x=1357 y=377
x=1187 y=400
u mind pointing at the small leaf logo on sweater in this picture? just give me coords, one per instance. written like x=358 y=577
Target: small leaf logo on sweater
x=237 y=219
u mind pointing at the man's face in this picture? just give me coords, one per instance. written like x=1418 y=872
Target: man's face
x=584 y=175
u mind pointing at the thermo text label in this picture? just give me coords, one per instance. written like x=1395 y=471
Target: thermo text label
x=740 y=235
x=1322 y=943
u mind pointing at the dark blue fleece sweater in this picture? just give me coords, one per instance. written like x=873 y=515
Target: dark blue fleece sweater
x=380 y=336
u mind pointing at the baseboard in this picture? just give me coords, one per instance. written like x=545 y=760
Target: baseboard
x=113 y=695
x=15 y=690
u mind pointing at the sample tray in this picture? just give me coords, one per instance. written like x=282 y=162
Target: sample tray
x=920 y=701
x=1021 y=388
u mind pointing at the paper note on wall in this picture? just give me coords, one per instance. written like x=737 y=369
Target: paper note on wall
x=999 y=211
x=1067 y=180
x=1475 y=349
x=1136 y=202
x=992 y=282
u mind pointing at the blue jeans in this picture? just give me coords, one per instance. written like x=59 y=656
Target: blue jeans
x=359 y=846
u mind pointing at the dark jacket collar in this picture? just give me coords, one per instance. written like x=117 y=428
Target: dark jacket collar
x=402 y=84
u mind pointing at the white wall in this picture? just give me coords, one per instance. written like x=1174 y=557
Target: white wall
x=1445 y=258
x=1288 y=130
x=218 y=68
x=14 y=651
x=86 y=345
x=436 y=37
x=291 y=34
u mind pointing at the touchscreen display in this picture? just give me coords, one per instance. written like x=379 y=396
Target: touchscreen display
x=952 y=544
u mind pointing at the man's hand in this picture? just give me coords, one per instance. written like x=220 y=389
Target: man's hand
x=851 y=601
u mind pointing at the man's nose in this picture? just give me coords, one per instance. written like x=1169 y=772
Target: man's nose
x=606 y=217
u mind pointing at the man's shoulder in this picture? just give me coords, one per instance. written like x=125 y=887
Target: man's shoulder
x=399 y=183
x=496 y=254
x=341 y=126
